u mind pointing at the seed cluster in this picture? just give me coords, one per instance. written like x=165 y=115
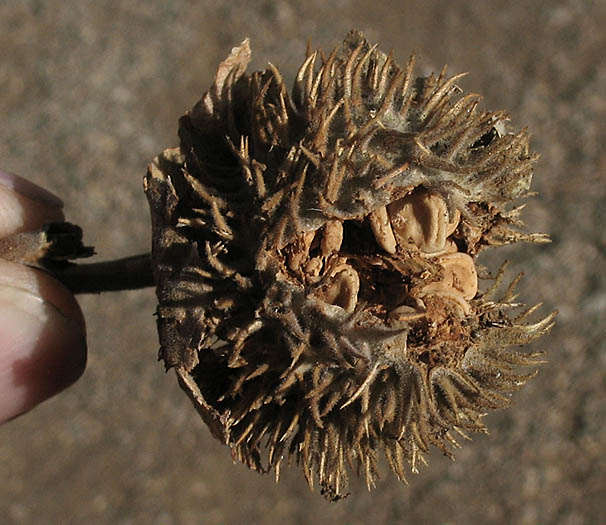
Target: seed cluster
x=314 y=253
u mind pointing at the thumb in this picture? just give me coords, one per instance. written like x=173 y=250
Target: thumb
x=42 y=339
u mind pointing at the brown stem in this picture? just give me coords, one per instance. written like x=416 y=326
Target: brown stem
x=129 y=273
x=58 y=242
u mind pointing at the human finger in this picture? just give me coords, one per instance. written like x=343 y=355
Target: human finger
x=25 y=206
x=42 y=338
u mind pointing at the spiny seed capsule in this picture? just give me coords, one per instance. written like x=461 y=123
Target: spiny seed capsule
x=314 y=254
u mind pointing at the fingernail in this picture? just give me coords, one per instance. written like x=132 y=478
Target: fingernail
x=29 y=189
x=41 y=351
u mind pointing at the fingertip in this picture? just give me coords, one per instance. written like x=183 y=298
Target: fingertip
x=24 y=206
x=42 y=284
x=30 y=190
x=42 y=351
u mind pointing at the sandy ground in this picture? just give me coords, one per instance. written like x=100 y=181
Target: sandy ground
x=91 y=91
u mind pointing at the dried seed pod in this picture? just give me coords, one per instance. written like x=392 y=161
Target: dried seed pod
x=314 y=254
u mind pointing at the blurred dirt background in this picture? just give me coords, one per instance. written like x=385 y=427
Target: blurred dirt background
x=91 y=91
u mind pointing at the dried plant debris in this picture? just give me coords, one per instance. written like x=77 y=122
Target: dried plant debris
x=50 y=248
x=314 y=253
